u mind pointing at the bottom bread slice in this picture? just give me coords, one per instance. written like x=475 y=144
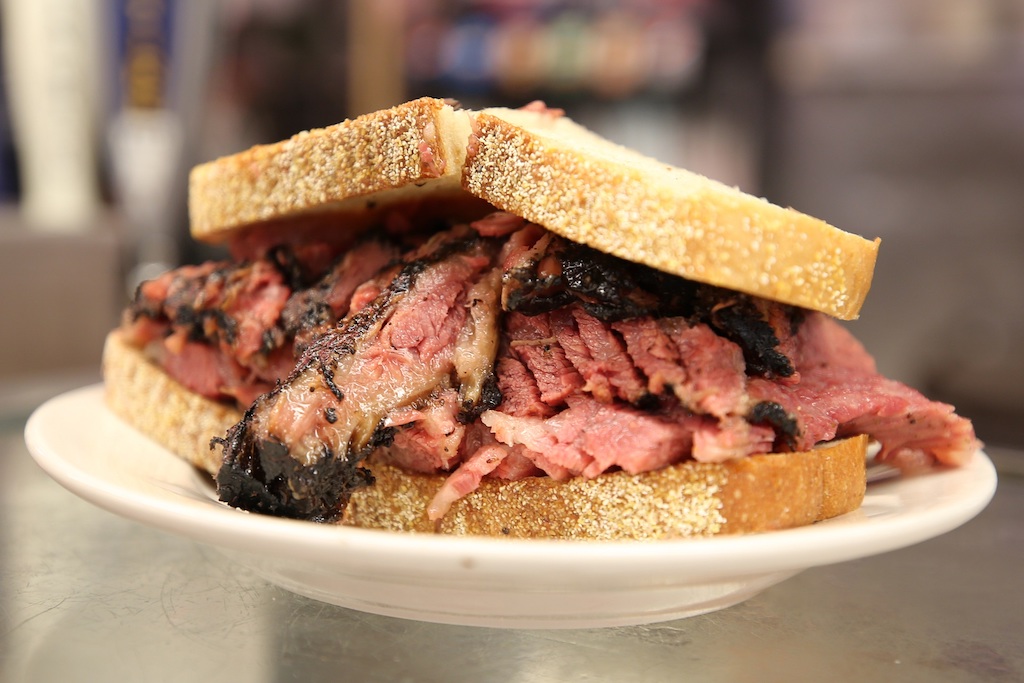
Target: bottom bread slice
x=753 y=494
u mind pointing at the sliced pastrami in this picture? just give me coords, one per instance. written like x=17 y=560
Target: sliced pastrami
x=715 y=378
x=549 y=272
x=309 y=312
x=466 y=479
x=653 y=352
x=533 y=282
x=428 y=437
x=233 y=306
x=533 y=343
x=477 y=346
x=825 y=342
x=242 y=319
x=590 y=437
x=520 y=395
x=500 y=350
x=730 y=439
x=705 y=371
x=599 y=355
x=498 y=224
x=839 y=394
x=298 y=450
x=923 y=433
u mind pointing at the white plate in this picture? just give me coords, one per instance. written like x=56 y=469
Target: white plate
x=480 y=581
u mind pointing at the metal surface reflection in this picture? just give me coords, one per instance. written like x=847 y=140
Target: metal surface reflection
x=86 y=595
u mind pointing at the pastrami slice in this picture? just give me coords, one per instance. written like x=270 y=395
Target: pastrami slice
x=298 y=450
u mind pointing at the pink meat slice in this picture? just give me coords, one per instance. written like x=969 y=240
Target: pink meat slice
x=533 y=343
x=841 y=394
x=590 y=437
x=599 y=355
x=312 y=431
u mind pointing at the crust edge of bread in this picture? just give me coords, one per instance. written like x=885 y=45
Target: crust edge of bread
x=755 y=494
x=407 y=154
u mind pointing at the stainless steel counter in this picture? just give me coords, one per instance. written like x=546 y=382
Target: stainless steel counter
x=88 y=596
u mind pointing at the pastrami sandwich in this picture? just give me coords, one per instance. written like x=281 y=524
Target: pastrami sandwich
x=499 y=323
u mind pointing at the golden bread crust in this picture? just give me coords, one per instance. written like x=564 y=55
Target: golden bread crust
x=552 y=171
x=409 y=153
x=754 y=494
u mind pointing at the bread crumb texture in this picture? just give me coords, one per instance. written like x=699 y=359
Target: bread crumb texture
x=681 y=501
x=323 y=169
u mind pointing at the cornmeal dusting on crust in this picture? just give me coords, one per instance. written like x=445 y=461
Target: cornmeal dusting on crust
x=322 y=169
x=616 y=506
x=666 y=218
x=682 y=501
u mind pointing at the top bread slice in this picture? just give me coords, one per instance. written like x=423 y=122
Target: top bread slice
x=412 y=153
x=544 y=167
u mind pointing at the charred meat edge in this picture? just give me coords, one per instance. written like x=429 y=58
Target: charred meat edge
x=263 y=474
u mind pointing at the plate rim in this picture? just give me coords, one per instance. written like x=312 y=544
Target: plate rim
x=838 y=540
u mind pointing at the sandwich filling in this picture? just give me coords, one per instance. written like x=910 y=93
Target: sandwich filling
x=497 y=349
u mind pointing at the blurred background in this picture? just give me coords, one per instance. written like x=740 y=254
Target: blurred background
x=901 y=119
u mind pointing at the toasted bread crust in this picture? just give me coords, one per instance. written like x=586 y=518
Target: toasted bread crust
x=553 y=172
x=409 y=153
x=754 y=494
